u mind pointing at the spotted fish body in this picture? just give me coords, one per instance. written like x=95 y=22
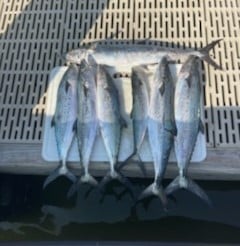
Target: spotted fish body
x=188 y=123
x=139 y=113
x=187 y=112
x=137 y=54
x=87 y=123
x=111 y=123
x=161 y=126
x=63 y=121
x=108 y=110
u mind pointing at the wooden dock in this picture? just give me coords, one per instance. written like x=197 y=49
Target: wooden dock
x=220 y=164
x=34 y=33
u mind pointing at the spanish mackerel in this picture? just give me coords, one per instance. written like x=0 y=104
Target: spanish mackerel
x=63 y=121
x=110 y=121
x=137 y=54
x=86 y=123
x=188 y=123
x=139 y=114
x=161 y=126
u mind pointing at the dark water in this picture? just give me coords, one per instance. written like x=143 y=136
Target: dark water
x=28 y=213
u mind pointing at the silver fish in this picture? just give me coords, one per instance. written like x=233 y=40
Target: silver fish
x=63 y=121
x=161 y=127
x=110 y=121
x=188 y=123
x=86 y=123
x=137 y=54
x=139 y=114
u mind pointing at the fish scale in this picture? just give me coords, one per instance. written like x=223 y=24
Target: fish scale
x=161 y=127
x=87 y=122
x=137 y=54
x=108 y=109
x=63 y=121
x=188 y=123
x=111 y=123
x=139 y=113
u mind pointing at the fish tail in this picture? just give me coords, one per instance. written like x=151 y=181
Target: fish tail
x=205 y=54
x=139 y=163
x=121 y=165
x=60 y=171
x=182 y=182
x=87 y=178
x=105 y=180
x=73 y=189
x=116 y=175
x=154 y=190
x=84 y=179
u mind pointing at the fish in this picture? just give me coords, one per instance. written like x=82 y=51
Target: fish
x=63 y=121
x=139 y=113
x=87 y=122
x=138 y=54
x=111 y=123
x=188 y=123
x=161 y=127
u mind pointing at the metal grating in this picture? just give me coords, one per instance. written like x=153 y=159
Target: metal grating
x=224 y=22
x=29 y=39
x=33 y=33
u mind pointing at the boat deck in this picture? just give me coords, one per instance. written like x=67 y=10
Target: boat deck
x=34 y=33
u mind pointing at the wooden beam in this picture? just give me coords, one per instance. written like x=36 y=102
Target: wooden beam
x=220 y=164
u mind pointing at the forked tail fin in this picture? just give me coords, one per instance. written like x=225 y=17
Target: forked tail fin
x=60 y=171
x=188 y=184
x=154 y=190
x=205 y=54
x=85 y=179
x=116 y=176
x=139 y=162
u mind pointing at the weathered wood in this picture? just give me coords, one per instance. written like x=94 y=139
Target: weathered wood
x=220 y=164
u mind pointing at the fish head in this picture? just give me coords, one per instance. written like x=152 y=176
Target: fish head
x=76 y=56
x=164 y=61
x=71 y=75
x=163 y=71
x=163 y=64
x=83 y=65
x=140 y=75
x=136 y=81
x=91 y=61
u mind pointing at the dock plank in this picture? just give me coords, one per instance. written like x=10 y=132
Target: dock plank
x=220 y=164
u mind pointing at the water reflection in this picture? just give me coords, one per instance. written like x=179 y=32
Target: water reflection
x=89 y=215
x=90 y=207
x=18 y=227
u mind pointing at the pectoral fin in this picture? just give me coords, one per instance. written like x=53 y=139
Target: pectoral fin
x=201 y=126
x=53 y=121
x=171 y=127
x=131 y=114
x=67 y=85
x=123 y=122
x=188 y=80
x=75 y=126
x=85 y=88
x=162 y=88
